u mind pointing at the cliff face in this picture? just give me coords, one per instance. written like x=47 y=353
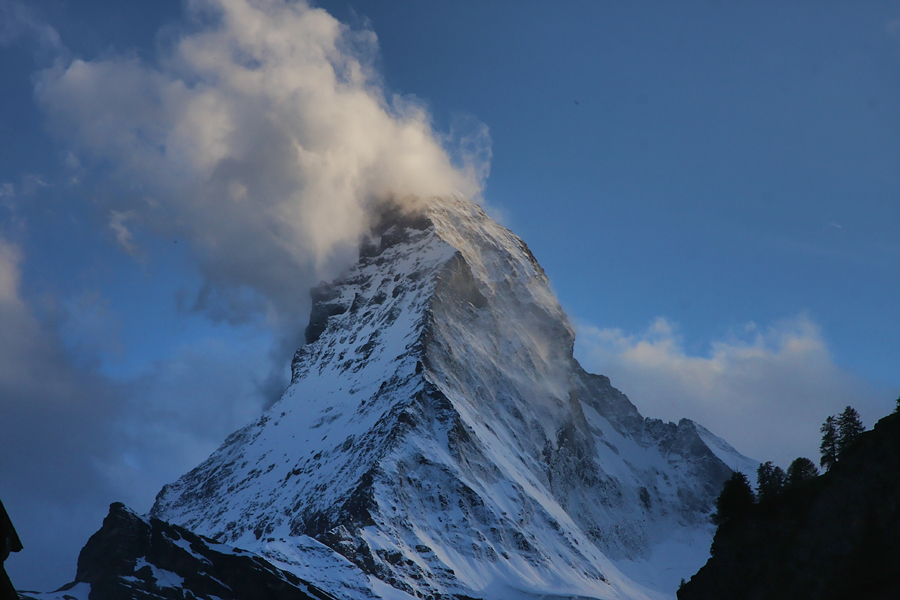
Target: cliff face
x=836 y=537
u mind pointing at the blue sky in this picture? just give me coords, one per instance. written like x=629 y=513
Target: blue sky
x=713 y=189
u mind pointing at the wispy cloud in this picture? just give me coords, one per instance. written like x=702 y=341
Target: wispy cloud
x=17 y=21
x=766 y=390
x=124 y=237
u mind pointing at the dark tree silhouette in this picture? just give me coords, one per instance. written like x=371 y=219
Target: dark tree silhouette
x=769 y=480
x=829 y=445
x=849 y=426
x=801 y=469
x=735 y=500
x=897 y=410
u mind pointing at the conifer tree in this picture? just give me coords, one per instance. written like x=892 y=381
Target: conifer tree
x=736 y=499
x=800 y=470
x=897 y=410
x=769 y=480
x=849 y=426
x=829 y=445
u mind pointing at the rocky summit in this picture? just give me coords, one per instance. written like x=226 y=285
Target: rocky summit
x=439 y=440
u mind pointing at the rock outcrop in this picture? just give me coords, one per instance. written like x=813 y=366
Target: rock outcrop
x=134 y=558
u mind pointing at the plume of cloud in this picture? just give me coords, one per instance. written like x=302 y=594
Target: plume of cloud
x=766 y=392
x=263 y=135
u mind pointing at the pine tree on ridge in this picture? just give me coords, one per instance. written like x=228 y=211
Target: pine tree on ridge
x=769 y=480
x=829 y=445
x=849 y=428
x=801 y=469
x=736 y=499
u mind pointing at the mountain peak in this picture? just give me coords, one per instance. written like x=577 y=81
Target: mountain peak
x=439 y=435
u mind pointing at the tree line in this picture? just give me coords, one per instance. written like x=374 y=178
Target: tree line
x=838 y=434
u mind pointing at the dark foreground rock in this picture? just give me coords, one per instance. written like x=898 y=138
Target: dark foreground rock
x=835 y=537
x=132 y=558
x=9 y=542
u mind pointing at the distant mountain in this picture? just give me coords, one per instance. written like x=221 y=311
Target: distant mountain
x=439 y=440
x=835 y=537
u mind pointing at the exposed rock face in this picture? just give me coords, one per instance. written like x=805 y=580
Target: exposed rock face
x=133 y=558
x=439 y=437
x=835 y=537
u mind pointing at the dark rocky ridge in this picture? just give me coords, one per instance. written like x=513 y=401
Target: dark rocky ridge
x=121 y=561
x=835 y=537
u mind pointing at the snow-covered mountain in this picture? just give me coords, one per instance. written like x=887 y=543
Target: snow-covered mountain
x=438 y=439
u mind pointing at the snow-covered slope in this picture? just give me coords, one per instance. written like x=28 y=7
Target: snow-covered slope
x=438 y=438
x=731 y=457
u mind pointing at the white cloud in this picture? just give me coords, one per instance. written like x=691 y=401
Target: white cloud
x=124 y=237
x=766 y=391
x=263 y=136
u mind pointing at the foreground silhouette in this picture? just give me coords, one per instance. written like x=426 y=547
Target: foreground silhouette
x=833 y=537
